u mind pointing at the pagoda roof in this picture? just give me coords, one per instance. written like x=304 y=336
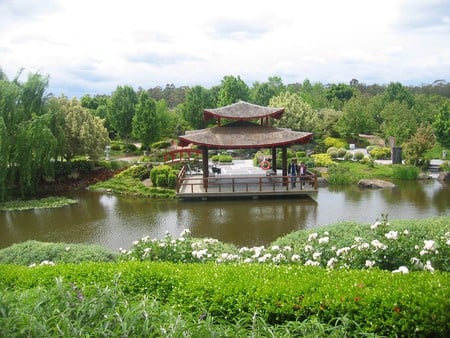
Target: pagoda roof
x=242 y=111
x=244 y=134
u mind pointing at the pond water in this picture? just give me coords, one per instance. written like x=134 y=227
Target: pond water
x=116 y=221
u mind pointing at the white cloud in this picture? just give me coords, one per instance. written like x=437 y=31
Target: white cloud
x=92 y=46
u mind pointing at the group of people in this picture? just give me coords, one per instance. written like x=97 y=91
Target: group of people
x=295 y=170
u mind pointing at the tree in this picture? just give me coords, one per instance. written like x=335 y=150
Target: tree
x=298 y=114
x=441 y=126
x=357 y=117
x=146 y=125
x=83 y=133
x=396 y=92
x=121 y=111
x=422 y=141
x=197 y=99
x=338 y=94
x=398 y=121
x=261 y=93
x=313 y=94
x=232 y=89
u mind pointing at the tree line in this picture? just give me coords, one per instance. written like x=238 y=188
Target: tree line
x=39 y=130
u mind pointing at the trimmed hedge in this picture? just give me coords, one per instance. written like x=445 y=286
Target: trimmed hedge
x=380 y=302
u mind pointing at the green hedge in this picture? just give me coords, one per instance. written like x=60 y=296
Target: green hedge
x=380 y=302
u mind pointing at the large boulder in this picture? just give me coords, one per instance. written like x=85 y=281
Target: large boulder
x=375 y=184
x=444 y=176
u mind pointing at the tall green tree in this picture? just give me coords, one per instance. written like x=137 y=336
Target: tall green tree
x=146 y=124
x=232 y=90
x=298 y=115
x=261 y=93
x=398 y=121
x=197 y=99
x=441 y=126
x=357 y=117
x=314 y=94
x=121 y=110
x=338 y=94
x=395 y=91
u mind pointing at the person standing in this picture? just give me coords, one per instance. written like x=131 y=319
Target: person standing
x=293 y=170
x=302 y=172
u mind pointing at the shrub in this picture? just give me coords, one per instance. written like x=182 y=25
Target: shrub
x=341 y=152
x=358 y=155
x=300 y=154
x=340 y=176
x=161 y=145
x=335 y=142
x=130 y=147
x=136 y=171
x=34 y=252
x=161 y=170
x=348 y=156
x=380 y=152
x=404 y=172
x=322 y=160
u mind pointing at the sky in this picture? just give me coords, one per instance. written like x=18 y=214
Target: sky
x=93 y=46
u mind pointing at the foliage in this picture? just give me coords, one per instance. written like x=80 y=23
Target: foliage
x=232 y=89
x=121 y=110
x=442 y=126
x=126 y=183
x=222 y=158
x=340 y=175
x=418 y=144
x=380 y=152
x=161 y=144
x=146 y=127
x=261 y=93
x=298 y=114
x=83 y=134
x=139 y=172
x=197 y=99
x=159 y=176
x=398 y=121
x=322 y=160
x=395 y=91
x=40 y=253
x=405 y=172
x=337 y=94
x=358 y=155
x=335 y=142
x=43 y=203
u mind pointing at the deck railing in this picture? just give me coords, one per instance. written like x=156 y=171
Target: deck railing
x=243 y=183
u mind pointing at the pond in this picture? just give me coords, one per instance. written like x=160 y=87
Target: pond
x=116 y=221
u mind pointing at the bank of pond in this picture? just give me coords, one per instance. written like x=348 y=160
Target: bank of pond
x=389 y=278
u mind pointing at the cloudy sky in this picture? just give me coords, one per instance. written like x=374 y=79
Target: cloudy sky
x=93 y=46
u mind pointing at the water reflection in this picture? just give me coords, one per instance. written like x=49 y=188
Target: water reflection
x=117 y=221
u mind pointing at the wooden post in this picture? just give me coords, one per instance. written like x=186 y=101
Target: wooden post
x=284 y=164
x=205 y=167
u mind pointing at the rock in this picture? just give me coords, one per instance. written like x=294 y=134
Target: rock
x=424 y=176
x=444 y=176
x=375 y=184
x=322 y=182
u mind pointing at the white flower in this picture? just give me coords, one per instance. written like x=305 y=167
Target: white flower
x=264 y=258
x=401 y=269
x=316 y=255
x=415 y=261
x=312 y=236
x=275 y=248
x=391 y=235
x=287 y=248
x=429 y=245
x=370 y=263
x=199 y=253
x=185 y=232
x=135 y=242
x=295 y=258
x=423 y=252
x=378 y=245
x=32 y=265
x=405 y=232
x=311 y=263
x=324 y=240
x=247 y=260
x=375 y=225
x=279 y=258
x=331 y=262
x=326 y=233
x=308 y=248
x=145 y=238
x=448 y=242
x=428 y=267
x=47 y=262
x=343 y=250
x=67 y=248
x=243 y=249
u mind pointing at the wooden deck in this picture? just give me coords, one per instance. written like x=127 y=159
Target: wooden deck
x=244 y=186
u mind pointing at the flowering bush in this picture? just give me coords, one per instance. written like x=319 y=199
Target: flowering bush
x=376 y=246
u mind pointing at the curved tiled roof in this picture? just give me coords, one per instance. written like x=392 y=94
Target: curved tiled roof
x=242 y=111
x=243 y=134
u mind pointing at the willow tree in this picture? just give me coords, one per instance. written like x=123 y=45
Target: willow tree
x=26 y=141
